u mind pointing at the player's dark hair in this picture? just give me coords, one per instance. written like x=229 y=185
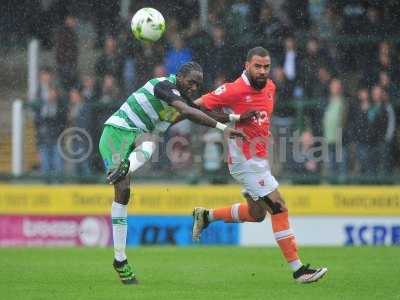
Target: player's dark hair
x=188 y=67
x=260 y=51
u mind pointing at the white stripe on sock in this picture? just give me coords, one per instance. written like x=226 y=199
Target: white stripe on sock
x=285 y=237
x=283 y=234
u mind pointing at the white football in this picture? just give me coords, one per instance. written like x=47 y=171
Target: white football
x=148 y=24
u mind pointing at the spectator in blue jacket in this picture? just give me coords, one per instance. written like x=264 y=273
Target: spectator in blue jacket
x=177 y=55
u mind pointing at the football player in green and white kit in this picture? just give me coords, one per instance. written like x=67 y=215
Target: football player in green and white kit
x=153 y=107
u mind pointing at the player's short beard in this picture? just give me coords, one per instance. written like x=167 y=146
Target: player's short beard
x=258 y=85
x=254 y=83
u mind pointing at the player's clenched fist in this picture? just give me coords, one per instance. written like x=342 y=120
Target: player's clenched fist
x=249 y=115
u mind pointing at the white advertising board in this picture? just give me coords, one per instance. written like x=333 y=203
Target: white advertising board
x=327 y=231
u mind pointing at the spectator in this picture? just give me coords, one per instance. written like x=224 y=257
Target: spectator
x=129 y=74
x=377 y=127
x=89 y=89
x=385 y=59
x=130 y=50
x=217 y=12
x=291 y=61
x=391 y=16
x=183 y=11
x=396 y=67
x=106 y=16
x=284 y=105
x=177 y=55
x=159 y=71
x=46 y=79
x=387 y=85
x=321 y=89
x=238 y=25
x=269 y=30
x=109 y=91
x=46 y=19
x=384 y=63
x=241 y=7
x=318 y=12
x=67 y=52
x=354 y=20
x=218 y=59
x=172 y=30
x=298 y=14
x=79 y=116
x=374 y=26
x=333 y=123
x=148 y=56
x=304 y=161
x=375 y=30
x=283 y=120
x=330 y=24
x=354 y=15
x=219 y=80
x=50 y=121
x=319 y=95
x=359 y=129
x=201 y=43
x=90 y=96
x=110 y=62
x=314 y=59
x=389 y=134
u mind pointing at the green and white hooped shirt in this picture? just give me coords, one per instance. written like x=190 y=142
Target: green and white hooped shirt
x=148 y=109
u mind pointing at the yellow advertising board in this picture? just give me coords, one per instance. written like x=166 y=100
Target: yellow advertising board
x=180 y=199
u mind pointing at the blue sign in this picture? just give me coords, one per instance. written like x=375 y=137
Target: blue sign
x=377 y=234
x=177 y=230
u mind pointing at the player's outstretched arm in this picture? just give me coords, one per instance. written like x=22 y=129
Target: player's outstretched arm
x=193 y=114
x=225 y=118
x=219 y=116
x=200 y=117
x=168 y=92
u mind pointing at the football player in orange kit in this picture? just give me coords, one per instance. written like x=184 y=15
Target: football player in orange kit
x=248 y=159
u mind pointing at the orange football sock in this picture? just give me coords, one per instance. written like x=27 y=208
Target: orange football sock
x=238 y=212
x=285 y=238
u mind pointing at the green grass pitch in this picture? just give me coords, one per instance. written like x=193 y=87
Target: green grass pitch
x=198 y=273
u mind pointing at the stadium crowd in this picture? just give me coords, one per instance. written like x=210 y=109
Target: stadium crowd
x=335 y=64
